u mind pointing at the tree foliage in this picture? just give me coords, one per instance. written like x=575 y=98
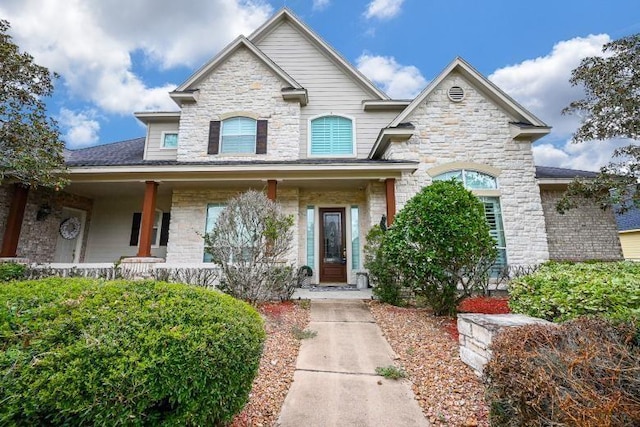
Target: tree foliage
x=441 y=240
x=30 y=146
x=251 y=242
x=610 y=109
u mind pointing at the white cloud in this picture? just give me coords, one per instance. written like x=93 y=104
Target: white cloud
x=589 y=156
x=80 y=128
x=399 y=81
x=383 y=9
x=542 y=84
x=321 y=4
x=90 y=43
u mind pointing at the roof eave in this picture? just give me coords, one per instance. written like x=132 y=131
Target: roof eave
x=388 y=135
x=528 y=133
x=157 y=116
x=385 y=105
x=299 y=95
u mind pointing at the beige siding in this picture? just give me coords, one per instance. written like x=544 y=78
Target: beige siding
x=630 y=242
x=330 y=90
x=153 y=147
x=110 y=228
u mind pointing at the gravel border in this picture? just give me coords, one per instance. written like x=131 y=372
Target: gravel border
x=277 y=365
x=448 y=391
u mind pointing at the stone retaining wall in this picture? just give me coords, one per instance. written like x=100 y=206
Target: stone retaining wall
x=476 y=331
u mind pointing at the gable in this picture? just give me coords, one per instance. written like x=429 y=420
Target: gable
x=284 y=36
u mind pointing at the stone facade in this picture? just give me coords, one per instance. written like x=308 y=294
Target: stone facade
x=584 y=233
x=476 y=331
x=38 y=238
x=243 y=83
x=188 y=221
x=476 y=132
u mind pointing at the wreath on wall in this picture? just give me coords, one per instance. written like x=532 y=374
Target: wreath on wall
x=70 y=228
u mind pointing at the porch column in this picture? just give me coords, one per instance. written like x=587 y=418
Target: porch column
x=14 y=221
x=272 y=186
x=390 y=184
x=148 y=215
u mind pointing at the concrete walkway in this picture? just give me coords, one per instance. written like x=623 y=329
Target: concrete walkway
x=335 y=383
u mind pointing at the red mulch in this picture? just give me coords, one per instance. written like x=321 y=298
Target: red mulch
x=485 y=305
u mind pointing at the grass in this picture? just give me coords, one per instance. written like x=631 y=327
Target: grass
x=391 y=372
x=302 y=334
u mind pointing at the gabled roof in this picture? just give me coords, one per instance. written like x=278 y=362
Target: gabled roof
x=285 y=14
x=240 y=41
x=521 y=114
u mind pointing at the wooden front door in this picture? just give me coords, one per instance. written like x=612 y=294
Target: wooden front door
x=333 y=249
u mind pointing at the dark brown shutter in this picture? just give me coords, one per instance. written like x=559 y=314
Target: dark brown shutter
x=261 y=137
x=164 y=231
x=214 y=137
x=135 y=228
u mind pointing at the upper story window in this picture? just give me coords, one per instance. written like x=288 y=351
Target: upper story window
x=238 y=135
x=472 y=180
x=332 y=136
x=169 y=140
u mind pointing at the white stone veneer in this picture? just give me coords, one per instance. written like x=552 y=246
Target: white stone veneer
x=477 y=130
x=241 y=84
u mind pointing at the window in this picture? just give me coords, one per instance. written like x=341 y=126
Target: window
x=213 y=212
x=310 y=236
x=474 y=180
x=160 y=232
x=169 y=140
x=331 y=136
x=238 y=135
x=355 y=238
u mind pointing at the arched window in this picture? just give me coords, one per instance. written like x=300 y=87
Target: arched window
x=331 y=136
x=474 y=180
x=238 y=135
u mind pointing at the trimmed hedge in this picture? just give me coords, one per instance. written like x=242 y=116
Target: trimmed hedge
x=89 y=352
x=562 y=291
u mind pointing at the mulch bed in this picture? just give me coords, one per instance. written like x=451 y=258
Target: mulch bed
x=277 y=365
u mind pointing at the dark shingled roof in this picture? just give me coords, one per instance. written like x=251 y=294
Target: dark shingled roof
x=629 y=220
x=131 y=153
x=562 y=173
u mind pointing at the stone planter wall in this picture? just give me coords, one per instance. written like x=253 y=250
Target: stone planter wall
x=476 y=331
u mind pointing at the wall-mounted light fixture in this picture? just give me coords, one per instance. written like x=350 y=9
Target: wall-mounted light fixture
x=43 y=212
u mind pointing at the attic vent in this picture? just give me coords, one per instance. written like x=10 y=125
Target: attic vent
x=456 y=94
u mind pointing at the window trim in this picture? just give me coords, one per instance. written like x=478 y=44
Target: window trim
x=169 y=132
x=157 y=225
x=354 y=149
x=237 y=153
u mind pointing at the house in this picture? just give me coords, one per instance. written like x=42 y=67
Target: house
x=282 y=111
x=629 y=231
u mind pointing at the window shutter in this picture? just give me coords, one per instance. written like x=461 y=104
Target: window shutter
x=261 y=137
x=214 y=137
x=135 y=228
x=164 y=231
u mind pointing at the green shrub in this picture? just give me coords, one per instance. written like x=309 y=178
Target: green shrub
x=11 y=271
x=440 y=240
x=88 y=352
x=585 y=372
x=561 y=291
x=382 y=271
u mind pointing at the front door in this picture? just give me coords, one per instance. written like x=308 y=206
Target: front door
x=333 y=249
x=70 y=233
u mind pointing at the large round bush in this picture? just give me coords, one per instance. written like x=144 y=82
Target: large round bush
x=87 y=352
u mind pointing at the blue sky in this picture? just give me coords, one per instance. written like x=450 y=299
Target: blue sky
x=120 y=56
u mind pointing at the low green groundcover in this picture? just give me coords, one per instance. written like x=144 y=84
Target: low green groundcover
x=90 y=352
x=562 y=291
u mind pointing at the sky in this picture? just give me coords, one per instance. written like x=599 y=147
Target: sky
x=115 y=57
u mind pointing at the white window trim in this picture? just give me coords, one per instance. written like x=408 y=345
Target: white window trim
x=170 y=132
x=354 y=144
x=158 y=226
x=255 y=142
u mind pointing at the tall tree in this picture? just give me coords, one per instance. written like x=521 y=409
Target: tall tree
x=31 y=151
x=610 y=109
